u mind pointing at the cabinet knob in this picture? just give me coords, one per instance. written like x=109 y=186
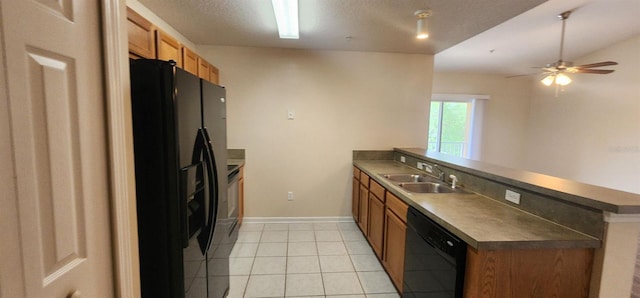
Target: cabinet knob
x=74 y=294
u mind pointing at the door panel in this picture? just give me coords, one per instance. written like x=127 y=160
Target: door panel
x=57 y=118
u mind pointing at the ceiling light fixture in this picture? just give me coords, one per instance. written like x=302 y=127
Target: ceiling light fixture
x=557 y=78
x=286 y=12
x=422 y=31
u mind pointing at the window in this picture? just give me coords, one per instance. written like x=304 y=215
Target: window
x=454 y=124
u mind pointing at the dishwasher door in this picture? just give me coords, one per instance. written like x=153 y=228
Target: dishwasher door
x=434 y=259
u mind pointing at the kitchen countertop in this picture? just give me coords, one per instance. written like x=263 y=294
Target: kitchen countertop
x=234 y=162
x=592 y=196
x=481 y=222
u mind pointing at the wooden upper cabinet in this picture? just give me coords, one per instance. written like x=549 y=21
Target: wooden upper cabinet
x=189 y=61
x=168 y=48
x=214 y=75
x=141 y=36
x=203 y=69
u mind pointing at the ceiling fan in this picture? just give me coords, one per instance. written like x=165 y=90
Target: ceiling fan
x=557 y=72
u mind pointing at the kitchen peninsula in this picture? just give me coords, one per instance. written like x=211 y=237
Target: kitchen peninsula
x=561 y=233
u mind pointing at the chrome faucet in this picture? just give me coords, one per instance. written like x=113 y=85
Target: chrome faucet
x=440 y=172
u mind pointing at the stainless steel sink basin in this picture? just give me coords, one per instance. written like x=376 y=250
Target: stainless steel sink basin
x=428 y=187
x=409 y=178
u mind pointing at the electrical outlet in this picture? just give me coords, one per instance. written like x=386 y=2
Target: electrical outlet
x=290 y=196
x=419 y=165
x=402 y=159
x=291 y=114
x=428 y=168
x=512 y=197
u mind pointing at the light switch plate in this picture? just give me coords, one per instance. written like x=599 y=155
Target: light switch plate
x=512 y=197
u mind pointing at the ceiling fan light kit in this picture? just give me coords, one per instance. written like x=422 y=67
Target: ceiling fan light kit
x=559 y=79
x=422 y=31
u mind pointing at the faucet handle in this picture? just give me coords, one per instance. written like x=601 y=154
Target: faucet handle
x=454 y=180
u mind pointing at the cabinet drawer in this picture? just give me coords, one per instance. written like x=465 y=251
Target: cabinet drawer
x=397 y=206
x=377 y=190
x=364 y=179
x=356 y=173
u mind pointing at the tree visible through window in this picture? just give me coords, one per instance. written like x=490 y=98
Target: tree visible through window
x=450 y=127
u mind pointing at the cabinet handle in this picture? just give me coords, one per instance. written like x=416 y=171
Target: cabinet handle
x=75 y=294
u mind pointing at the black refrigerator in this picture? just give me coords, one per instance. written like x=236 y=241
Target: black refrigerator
x=185 y=228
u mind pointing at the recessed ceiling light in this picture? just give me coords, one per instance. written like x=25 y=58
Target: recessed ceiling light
x=286 y=12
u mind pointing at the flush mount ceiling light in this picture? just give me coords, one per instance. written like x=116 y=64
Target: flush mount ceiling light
x=422 y=31
x=286 y=12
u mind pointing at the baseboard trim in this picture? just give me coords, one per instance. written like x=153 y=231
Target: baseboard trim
x=297 y=219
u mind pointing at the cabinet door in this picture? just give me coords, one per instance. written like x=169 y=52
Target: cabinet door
x=203 y=69
x=189 y=61
x=168 y=48
x=214 y=75
x=393 y=260
x=376 y=224
x=363 y=213
x=355 y=200
x=141 y=36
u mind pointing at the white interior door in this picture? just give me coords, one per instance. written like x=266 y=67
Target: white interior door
x=55 y=201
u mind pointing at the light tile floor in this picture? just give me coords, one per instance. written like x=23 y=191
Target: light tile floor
x=306 y=260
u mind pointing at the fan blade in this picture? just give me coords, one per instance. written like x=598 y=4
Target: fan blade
x=596 y=71
x=599 y=64
x=522 y=75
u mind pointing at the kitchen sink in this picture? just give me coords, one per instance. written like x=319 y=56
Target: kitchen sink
x=428 y=187
x=420 y=183
x=409 y=178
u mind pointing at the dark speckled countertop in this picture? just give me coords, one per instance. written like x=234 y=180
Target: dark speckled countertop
x=483 y=223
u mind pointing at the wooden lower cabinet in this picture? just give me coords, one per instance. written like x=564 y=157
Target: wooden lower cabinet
x=375 y=234
x=355 y=199
x=395 y=227
x=363 y=209
x=528 y=273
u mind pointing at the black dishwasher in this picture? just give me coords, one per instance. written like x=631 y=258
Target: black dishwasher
x=434 y=259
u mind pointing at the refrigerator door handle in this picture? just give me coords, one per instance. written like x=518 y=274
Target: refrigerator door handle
x=206 y=236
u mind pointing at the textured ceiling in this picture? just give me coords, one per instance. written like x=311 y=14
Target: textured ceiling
x=489 y=36
x=373 y=25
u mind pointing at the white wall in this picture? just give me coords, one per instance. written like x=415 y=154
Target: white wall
x=342 y=101
x=591 y=132
x=504 y=115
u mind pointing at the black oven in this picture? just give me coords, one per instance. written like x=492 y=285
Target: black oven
x=434 y=259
